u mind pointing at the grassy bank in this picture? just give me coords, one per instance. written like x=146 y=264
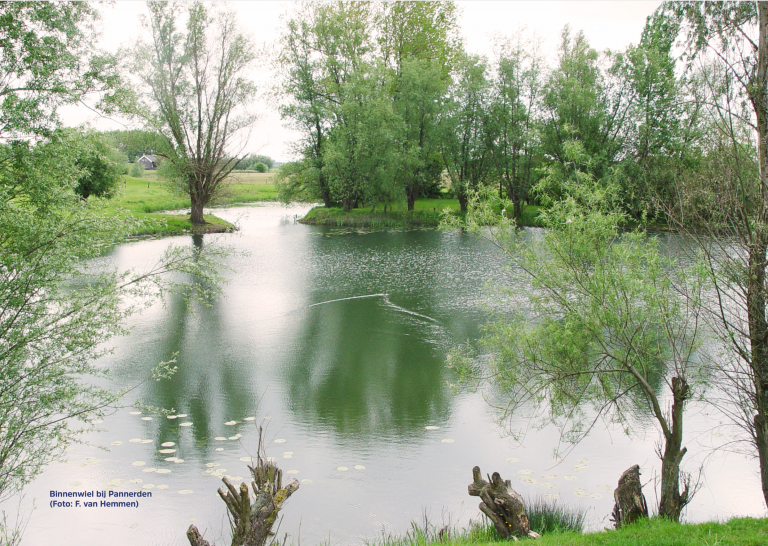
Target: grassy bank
x=653 y=532
x=427 y=212
x=144 y=197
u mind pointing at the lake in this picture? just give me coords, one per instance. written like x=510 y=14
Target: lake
x=334 y=340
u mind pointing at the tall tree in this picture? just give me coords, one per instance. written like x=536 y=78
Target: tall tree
x=729 y=198
x=196 y=94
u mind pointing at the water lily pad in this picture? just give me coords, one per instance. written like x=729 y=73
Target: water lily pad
x=580 y=468
x=97 y=421
x=148 y=486
x=525 y=471
x=166 y=451
x=149 y=470
x=596 y=496
x=212 y=465
x=233 y=438
x=570 y=478
x=581 y=493
x=117 y=443
x=146 y=418
x=431 y=427
x=219 y=449
x=306 y=481
x=171 y=459
x=548 y=485
x=220 y=439
x=287 y=456
x=280 y=441
x=136 y=480
x=447 y=440
x=230 y=423
x=134 y=413
x=249 y=419
x=554 y=496
x=187 y=424
x=178 y=461
x=168 y=444
x=292 y=472
x=172 y=416
x=186 y=492
x=359 y=467
x=549 y=476
x=342 y=468
x=582 y=461
x=164 y=487
x=246 y=459
x=163 y=471
x=512 y=460
x=146 y=442
x=180 y=415
x=605 y=487
x=135 y=440
x=138 y=463
x=528 y=479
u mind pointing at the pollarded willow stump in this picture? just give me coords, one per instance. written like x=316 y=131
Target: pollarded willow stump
x=502 y=504
x=630 y=501
x=251 y=518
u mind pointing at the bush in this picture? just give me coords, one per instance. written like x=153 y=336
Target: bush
x=260 y=167
x=137 y=170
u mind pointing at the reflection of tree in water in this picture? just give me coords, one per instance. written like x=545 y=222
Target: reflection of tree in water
x=209 y=373
x=365 y=366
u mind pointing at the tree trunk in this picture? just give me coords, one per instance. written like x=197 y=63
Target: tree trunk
x=463 y=200
x=630 y=501
x=672 y=501
x=196 y=216
x=347 y=204
x=411 y=195
x=502 y=504
x=251 y=518
x=758 y=328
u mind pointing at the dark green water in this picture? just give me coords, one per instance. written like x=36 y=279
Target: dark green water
x=335 y=341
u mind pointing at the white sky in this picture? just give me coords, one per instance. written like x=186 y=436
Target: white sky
x=607 y=25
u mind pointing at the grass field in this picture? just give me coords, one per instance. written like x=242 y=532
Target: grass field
x=144 y=197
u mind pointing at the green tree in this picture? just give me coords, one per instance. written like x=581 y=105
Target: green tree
x=100 y=165
x=260 y=167
x=195 y=94
x=463 y=144
x=612 y=329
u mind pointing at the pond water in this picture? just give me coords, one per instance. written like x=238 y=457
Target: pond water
x=334 y=340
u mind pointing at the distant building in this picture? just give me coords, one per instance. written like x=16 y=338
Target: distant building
x=148 y=162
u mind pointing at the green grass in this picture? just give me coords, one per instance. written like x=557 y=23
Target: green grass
x=426 y=212
x=549 y=516
x=144 y=197
x=653 y=532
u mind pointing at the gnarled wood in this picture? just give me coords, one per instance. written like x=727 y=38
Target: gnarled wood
x=502 y=504
x=251 y=518
x=630 y=501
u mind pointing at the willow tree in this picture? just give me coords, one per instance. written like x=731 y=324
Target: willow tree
x=196 y=95
x=602 y=330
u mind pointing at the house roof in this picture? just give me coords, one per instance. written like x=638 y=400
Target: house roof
x=150 y=158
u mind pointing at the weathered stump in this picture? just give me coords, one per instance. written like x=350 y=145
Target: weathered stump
x=630 y=501
x=251 y=519
x=502 y=504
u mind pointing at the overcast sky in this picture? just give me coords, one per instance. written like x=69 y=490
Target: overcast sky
x=607 y=24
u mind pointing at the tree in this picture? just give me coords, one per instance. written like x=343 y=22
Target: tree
x=464 y=147
x=726 y=201
x=611 y=328
x=56 y=309
x=195 y=95
x=100 y=165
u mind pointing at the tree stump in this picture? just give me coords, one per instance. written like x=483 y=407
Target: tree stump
x=502 y=504
x=630 y=501
x=251 y=519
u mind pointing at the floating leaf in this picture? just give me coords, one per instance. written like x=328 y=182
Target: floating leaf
x=548 y=485
x=447 y=440
x=185 y=424
x=233 y=438
x=163 y=471
x=212 y=465
x=512 y=460
x=148 y=486
x=359 y=467
x=246 y=459
x=180 y=415
x=178 y=461
x=292 y=472
x=220 y=439
x=287 y=456
x=596 y=496
x=138 y=463
x=134 y=413
x=525 y=471
x=431 y=427
x=342 y=468
x=97 y=421
x=581 y=494
x=219 y=449
x=164 y=487
x=549 y=476
x=570 y=478
x=306 y=481
x=149 y=470
x=146 y=418
x=146 y=442
x=135 y=440
x=168 y=444
x=249 y=419
x=117 y=443
x=172 y=416
x=230 y=423
x=166 y=451
x=186 y=492
x=280 y=441
x=171 y=459
x=136 y=480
